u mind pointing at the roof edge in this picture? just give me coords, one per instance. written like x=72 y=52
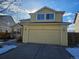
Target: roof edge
x=48 y=8
x=75 y=17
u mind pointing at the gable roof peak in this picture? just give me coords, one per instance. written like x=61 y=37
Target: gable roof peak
x=47 y=7
x=50 y=9
x=44 y=8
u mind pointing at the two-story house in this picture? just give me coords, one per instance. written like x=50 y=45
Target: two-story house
x=45 y=26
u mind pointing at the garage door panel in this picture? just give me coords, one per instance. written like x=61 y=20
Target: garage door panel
x=44 y=36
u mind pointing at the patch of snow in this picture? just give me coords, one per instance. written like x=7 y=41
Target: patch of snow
x=6 y=48
x=74 y=52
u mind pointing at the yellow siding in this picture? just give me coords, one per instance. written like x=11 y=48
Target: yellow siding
x=64 y=37
x=33 y=17
x=45 y=10
x=77 y=23
x=58 y=17
x=76 y=27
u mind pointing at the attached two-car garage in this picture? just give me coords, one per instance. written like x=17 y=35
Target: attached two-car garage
x=45 y=34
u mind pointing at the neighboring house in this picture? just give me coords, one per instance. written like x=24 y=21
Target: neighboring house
x=76 y=22
x=6 y=22
x=17 y=30
x=45 y=26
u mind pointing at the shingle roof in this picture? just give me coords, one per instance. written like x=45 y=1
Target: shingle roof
x=6 y=20
x=49 y=8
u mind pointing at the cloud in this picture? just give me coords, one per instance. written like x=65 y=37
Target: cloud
x=71 y=28
x=69 y=19
x=68 y=14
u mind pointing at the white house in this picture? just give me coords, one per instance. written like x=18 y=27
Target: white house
x=6 y=22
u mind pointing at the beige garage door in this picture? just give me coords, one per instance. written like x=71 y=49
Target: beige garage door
x=49 y=36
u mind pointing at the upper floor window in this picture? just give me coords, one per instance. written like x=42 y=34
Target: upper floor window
x=40 y=17
x=45 y=16
x=49 y=16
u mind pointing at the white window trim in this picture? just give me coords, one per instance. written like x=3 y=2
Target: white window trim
x=45 y=17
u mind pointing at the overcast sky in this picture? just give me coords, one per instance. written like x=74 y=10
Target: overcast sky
x=20 y=9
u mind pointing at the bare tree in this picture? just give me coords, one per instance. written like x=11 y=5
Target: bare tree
x=2 y=1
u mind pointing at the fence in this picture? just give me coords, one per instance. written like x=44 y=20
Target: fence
x=73 y=38
x=4 y=35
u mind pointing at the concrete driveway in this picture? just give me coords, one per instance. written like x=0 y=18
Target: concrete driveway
x=37 y=51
